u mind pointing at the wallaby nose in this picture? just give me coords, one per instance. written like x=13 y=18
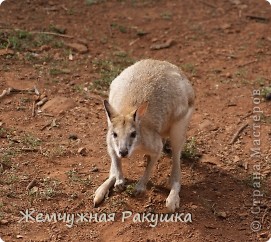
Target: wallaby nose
x=123 y=153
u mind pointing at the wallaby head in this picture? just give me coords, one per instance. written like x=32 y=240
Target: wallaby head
x=124 y=130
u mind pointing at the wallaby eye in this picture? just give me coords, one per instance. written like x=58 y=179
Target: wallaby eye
x=133 y=134
x=115 y=135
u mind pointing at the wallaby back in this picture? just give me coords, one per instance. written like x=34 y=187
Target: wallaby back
x=162 y=85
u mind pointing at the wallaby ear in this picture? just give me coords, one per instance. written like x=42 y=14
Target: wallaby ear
x=111 y=113
x=140 y=112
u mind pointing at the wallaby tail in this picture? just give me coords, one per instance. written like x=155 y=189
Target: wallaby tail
x=103 y=190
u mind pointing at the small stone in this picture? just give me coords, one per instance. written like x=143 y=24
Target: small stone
x=221 y=215
x=34 y=190
x=193 y=206
x=208 y=125
x=228 y=75
x=165 y=45
x=73 y=136
x=3 y=221
x=82 y=151
x=70 y=56
x=268 y=96
x=45 y=48
x=210 y=226
x=3 y=134
x=225 y=26
x=43 y=95
x=19 y=236
x=80 y=48
x=236 y=158
x=83 y=41
x=58 y=104
x=95 y=169
x=6 y=52
x=264 y=235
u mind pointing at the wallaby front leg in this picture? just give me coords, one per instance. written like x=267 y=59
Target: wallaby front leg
x=116 y=171
x=115 y=179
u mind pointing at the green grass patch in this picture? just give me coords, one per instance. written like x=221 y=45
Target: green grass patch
x=57 y=71
x=130 y=189
x=190 y=150
x=166 y=15
x=21 y=40
x=265 y=91
x=189 y=67
x=30 y=140
x=91 y=2
x=109 y=70
x=75 y=177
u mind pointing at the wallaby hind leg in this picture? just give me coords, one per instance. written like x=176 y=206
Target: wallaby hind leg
x=142 y=183
x=115 y=178
x=155 y=146
x=177 y=140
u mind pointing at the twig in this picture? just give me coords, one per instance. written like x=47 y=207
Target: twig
x=40 y=32
x=208 y=4
x=62 y=6
x=134 y=41
x=52 y=33
x=259 y=18
x=8 y=45
x=264 y=214
x=31 y=184
x=33 y=109
x=235 y=136
x=52 y=123
x=248 y=63
x=13 y=90
x=47 y=114
x=26 y=149
x=36 y=91
x=46 y=125
x=42 y=101
x=110 y=31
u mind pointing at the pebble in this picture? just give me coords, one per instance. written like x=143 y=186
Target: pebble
x=3 y=221
x=222 y=214
x=228 y=75
x=82 y=151
x=80 y=48
x=264 y=235
x=73 y=136
x=268 y=96
x=95 y=169
x=208 y=125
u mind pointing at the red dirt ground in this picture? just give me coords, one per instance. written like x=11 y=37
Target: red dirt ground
x=224 y=47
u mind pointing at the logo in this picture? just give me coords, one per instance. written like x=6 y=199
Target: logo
x=1 y=1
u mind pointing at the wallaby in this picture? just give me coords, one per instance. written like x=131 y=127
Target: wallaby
x=148 y=102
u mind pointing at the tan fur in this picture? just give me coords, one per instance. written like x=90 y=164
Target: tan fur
x=150 y=100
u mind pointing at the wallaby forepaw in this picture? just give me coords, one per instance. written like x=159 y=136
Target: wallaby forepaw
x=120 y=185
x=172 y=203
